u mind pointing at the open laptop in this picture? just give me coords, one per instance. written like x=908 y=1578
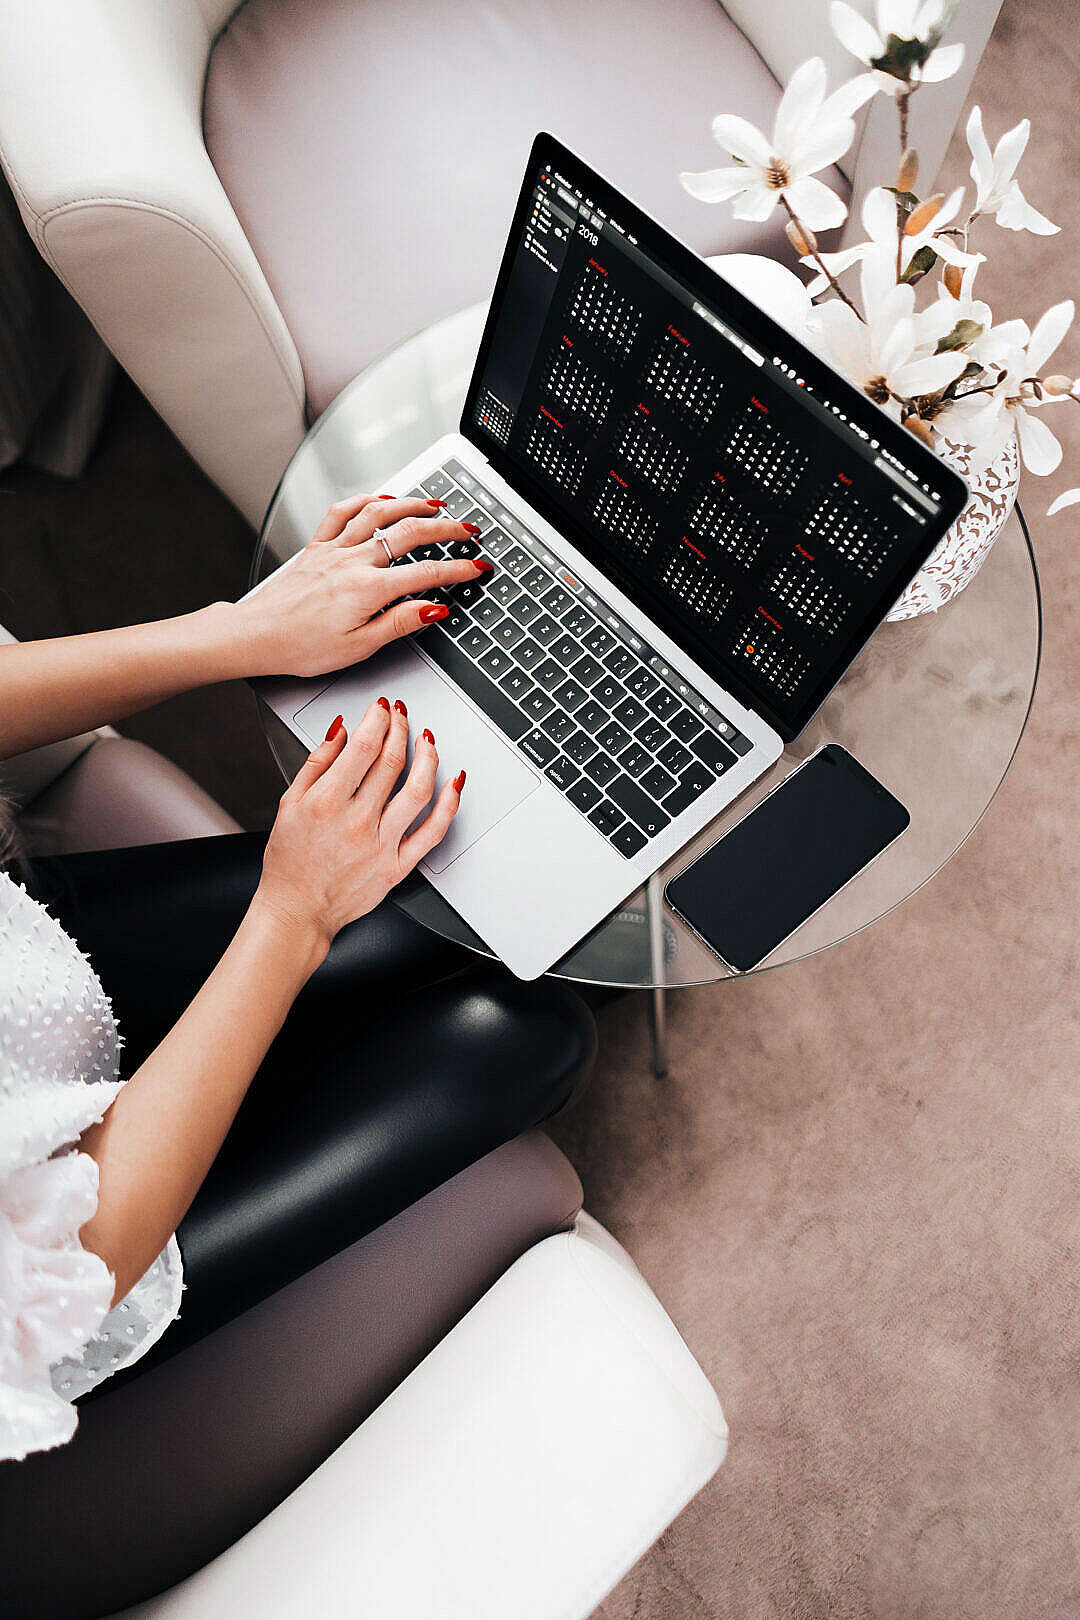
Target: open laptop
x=695 y=525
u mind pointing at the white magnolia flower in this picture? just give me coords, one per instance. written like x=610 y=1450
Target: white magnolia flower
x=985 y=419
x=996 y=191
x=914 y=24
x=890 y=353
x=1069 y=498
x=879 y=223
x=810 y=132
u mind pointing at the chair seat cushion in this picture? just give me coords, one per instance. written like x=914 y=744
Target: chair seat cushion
x=373 y=152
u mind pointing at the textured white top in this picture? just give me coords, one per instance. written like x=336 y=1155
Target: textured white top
x=59 y=1066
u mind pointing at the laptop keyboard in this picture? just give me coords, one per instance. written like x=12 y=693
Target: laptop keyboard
x=619 y=733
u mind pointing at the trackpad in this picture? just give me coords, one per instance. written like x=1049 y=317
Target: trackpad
x=497 y=778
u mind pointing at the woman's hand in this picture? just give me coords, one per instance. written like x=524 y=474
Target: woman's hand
x=341 y=839
x=339 y=600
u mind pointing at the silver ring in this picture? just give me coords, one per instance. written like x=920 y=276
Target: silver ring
x=380 y=536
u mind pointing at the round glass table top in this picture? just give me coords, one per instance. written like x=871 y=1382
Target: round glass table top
x=933 y=706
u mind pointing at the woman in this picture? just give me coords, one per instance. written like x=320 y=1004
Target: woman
x=101 y=1156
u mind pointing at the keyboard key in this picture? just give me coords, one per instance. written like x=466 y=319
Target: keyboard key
x=742 y=745
x=629 y=713
x=496 y=542
x=675 y=757
x=475 y=642
x=627 y=840
x=468 y=595
x=584 y=795
x=652 y=735
x=461 y=550
x=456 y=620
x=516 y=684
x=586 y=670
x=620 y=662
x=570 y=695
x=536 y=580
x=557 y=602
x=507 y=634
x=446 y=655
x=634 y=760
x=599 y=642
x=601 y=769
x=528 y=654
x=592 y=716
x=685 y=725
x=658 y=783
x=549 y=675
x=562 y=773
x=712 y=752
x=558 y=726
x=535 y=746
x=544 y=629
x=614 y=738
x=495 y=662
x=691 y=786
x=457 y=503
x=526 y=609
x=641 y=683
x=608 y=692
x=566 y=650
x=478 y=517
x=504 y=589
x=487 y=613
x=577 y=621
x=638 y=806
x=428 y=553
x=606 y=818
x=515 y=561
x=437 y=485
x=537 y=705
x=663 y=703
x=580 y=748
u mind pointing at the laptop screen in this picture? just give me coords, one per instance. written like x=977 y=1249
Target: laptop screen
x=761 y=510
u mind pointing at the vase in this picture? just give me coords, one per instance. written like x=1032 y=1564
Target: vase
x=957 y=558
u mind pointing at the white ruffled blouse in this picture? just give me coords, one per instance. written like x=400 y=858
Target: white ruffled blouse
x=59 y=1068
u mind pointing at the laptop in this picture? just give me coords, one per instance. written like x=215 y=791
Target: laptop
x=695 y=526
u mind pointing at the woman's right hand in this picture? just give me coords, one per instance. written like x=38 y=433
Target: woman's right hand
x=341 y=839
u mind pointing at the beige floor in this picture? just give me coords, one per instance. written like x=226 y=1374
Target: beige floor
x=858 y=1192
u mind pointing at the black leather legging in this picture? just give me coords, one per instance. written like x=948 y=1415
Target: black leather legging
x=400 y=1063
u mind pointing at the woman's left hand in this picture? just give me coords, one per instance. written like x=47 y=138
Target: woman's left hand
x=339 y=600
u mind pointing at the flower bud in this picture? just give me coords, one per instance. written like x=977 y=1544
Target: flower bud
x=908 y=172
x=921 y=429
x=1057 y=384
x=954 y=280
x=920 y=217
x=801 y=238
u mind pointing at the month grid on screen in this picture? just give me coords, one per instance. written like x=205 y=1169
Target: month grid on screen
x=814 y=601
x=574 y=384
x=682 y=381
x=759 y=643
x=548 y=445
x=655 y=457
x=494 y=417
x=765 y=454
x=727 y=526
x=688 y=575
x=623 y=515
x=843 y=523
x=606 y=316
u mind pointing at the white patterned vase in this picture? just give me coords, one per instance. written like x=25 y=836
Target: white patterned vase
x=956 y=560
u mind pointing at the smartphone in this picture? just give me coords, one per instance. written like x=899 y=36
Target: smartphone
x=778 y=865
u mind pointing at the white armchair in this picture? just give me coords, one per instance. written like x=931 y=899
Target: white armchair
x=365 y=213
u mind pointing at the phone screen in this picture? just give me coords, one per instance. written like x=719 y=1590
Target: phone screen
x=793 y=851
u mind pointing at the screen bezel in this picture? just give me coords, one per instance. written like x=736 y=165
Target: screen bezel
x=831 y=755
x=710 y=287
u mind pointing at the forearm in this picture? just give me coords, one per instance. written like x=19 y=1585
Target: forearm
x=161 y=1135
x=54 y=689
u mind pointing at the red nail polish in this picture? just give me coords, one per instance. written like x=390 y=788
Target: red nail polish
x=436 y=503
x=335 y=727
x=400 y=707
x=385 y=497
x=426 y=734
x=459 y=781
x=482 y=565
x=471 y=528
x=433 y=611
x=384 y=703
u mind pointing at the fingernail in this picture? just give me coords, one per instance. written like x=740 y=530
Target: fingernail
x=400 y=707
x=482 y=565
x=436 y=503
x=335 y=727
x=471 y=528
x=384 y=703
x=426 y=734
x=433 y=611
x=459 y=781
x=384 y=497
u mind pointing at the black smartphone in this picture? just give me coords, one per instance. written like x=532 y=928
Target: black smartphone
x=791 y=853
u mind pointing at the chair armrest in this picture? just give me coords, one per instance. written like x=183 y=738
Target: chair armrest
x=101 y=139
x=528 y=1462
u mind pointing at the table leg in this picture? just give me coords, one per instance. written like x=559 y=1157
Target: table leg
x=654 y=903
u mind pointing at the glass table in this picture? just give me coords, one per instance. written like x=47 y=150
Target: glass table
x=935 y=706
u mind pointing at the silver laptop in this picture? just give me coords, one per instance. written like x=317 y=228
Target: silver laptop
x=695 y=526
